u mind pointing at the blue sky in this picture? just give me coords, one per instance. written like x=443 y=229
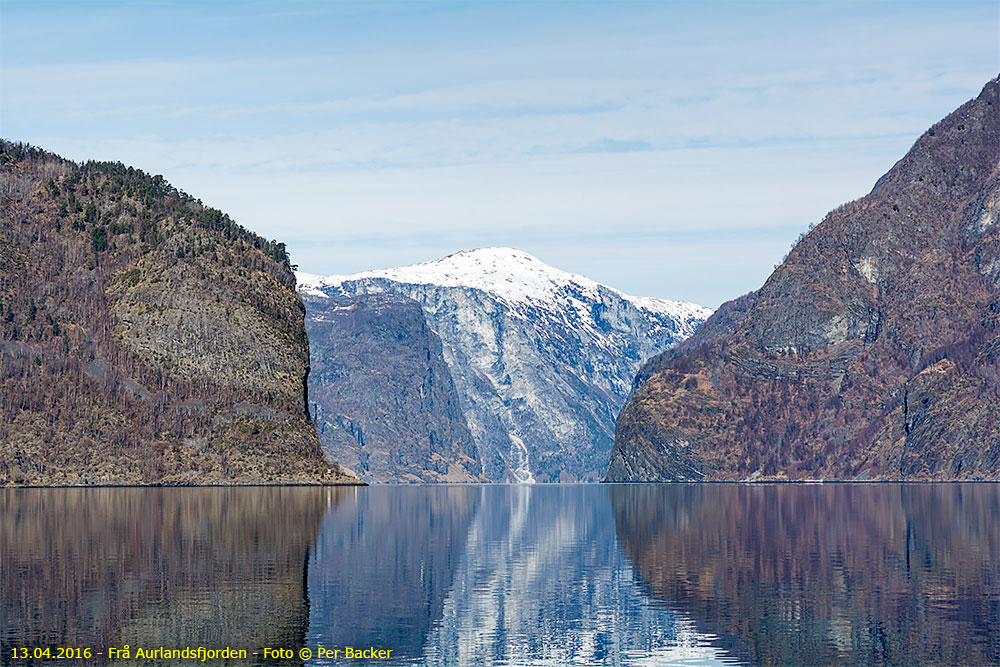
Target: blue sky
x=668 y=149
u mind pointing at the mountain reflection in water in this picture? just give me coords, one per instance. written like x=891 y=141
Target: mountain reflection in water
x=830 y=574
x=152 y=567
x=512 y=575
x=488 y=575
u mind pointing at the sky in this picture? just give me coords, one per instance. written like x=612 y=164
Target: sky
x=667 y=149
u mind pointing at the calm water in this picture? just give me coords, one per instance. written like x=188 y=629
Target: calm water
x=510 y=575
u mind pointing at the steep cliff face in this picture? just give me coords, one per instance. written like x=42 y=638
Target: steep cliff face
x=144 y=338
x=542 y=359
x=383 y=399
x=873 y=351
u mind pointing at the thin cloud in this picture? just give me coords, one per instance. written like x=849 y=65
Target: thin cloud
x=565 y=127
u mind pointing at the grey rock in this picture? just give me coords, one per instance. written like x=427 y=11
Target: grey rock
x=382 y=397
x=542 y=360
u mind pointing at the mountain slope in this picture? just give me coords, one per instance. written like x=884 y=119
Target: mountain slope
x=542 y=359
x=370 y=348
x=872 y=351
x=144 y=338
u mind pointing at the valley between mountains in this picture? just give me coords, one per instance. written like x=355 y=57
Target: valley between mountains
x=146 y=338
x=486 y=365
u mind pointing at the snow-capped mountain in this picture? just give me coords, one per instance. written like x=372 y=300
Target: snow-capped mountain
x=542 y=359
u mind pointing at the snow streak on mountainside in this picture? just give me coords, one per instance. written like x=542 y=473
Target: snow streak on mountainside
x=542 y=359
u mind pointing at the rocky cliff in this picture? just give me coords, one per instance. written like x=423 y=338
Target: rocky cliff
x=542 y=359
x=144 y=337
x=872 y=351
x=383 y=399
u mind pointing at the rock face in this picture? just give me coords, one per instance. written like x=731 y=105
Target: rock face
x=872 y=352
x=383 y=399
x=542 y=359
x=144 y=338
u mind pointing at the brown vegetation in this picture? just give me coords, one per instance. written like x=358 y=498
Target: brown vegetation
x=144 y=337
x=872 y=351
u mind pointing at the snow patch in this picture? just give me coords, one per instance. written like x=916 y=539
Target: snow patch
x=868 y=267
x=522 y=473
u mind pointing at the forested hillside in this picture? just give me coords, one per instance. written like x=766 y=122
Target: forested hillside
x=144 y=337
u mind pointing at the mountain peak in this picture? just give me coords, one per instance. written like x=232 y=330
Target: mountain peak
x=506 y=273
x=495 y=254
x=541 y=359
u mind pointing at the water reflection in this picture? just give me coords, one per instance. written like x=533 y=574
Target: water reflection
x=544 y=582
x=488 y=575
x=842 y=574
x=510 y=575
x=156 y=567
x=383 y=563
